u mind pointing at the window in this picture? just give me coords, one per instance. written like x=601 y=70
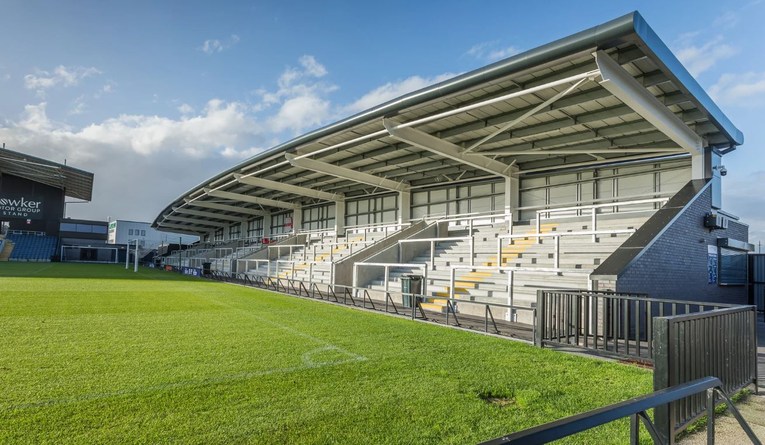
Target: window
x=732 y=267
x=320 y=217
x=218 y=234
x=234 y=231
x=255 y=229
x=371 y=211
x=130 y=232
x=143 y=233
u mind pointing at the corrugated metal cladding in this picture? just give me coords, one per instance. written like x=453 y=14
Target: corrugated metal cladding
x=625 y=182
x=757 y=277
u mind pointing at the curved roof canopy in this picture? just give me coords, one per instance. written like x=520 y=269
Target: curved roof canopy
x=76 y=183
x=607 y=94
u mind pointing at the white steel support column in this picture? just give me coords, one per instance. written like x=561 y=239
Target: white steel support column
x=297 y=219
x=404 y=207
x=267 y=225
x=698 y=166
x=512 y=196
x=339 y=218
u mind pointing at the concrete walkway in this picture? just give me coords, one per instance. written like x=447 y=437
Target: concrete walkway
x=727 y=429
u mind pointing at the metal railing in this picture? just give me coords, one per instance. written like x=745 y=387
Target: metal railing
x=390 y=302
x=721 y=342
x=607 y=322
x=577 y=211
x=433 y=242
x=249 y=261
x=291 y=269
x=556 y=238
x=637 y=410
x=366 y=229
x=349 y=245
x=291 y=248
x=386 y=275
x=474 y=219
x=510 y=271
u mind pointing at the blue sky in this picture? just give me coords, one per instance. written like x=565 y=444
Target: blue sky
x=156 y=97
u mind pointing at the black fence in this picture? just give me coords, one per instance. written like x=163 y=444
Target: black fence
x=408 y=304
x=722 y=343
x=609 y=323
x=637 y=410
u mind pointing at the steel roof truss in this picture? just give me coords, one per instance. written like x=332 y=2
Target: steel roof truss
x=195 y=221
x=288 y=188
x=622 y=85
x=345 y=173
x=528 y=114
x=251 y=199
x=209 y=214
x=445 y=148
x=226 y=207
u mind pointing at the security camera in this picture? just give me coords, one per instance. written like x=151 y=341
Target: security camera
x=721 y=168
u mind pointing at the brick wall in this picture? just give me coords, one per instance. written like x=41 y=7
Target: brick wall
x=675 y=265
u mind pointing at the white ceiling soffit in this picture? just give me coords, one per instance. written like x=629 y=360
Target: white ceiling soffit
x=346 y=173
x=177 y=228
x=289 y=188
x=208 y=214
x=201 y=222
x=225 y=207
x=622 y=85
x=252 y=199
x=446 y=149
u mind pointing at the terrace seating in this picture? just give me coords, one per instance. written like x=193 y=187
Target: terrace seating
x=32 y=247
x=558 y=253
x=313 y=261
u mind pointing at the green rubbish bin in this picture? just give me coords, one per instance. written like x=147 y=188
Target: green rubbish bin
x=411 y=287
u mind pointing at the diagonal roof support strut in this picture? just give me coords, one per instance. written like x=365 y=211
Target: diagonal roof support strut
x=346 y=173
x=446 y=149
x=252 y=199
x=621 y=84
x=289 y=188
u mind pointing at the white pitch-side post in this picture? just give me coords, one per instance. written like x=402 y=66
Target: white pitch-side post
x=135 y=259
x=127 y=254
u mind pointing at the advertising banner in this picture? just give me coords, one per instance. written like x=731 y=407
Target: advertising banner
x=20 y=206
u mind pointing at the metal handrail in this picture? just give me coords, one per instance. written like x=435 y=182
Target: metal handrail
x=510 y=277
x=387 y=267
x=556 y=237
x=593 y=208
x=433 y=242
x=365 y=229
x=636 y=408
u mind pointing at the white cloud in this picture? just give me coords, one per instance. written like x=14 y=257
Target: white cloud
x=491 y=52
x=137 y=158
x=747 y=89
x=141 y=162
x=698 y=57
x=312 y=67
x=185 y=109
x=78 y=106
x=300 y=113
x=61 y=75
x=212 y=46
x=393 y=90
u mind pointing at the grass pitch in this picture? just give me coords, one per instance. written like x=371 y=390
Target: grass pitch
x=98 y=354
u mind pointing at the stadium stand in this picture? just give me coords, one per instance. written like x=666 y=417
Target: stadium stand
x=591 y=163
x=32 y=246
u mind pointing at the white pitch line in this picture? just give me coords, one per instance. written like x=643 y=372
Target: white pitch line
x=306 y=358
